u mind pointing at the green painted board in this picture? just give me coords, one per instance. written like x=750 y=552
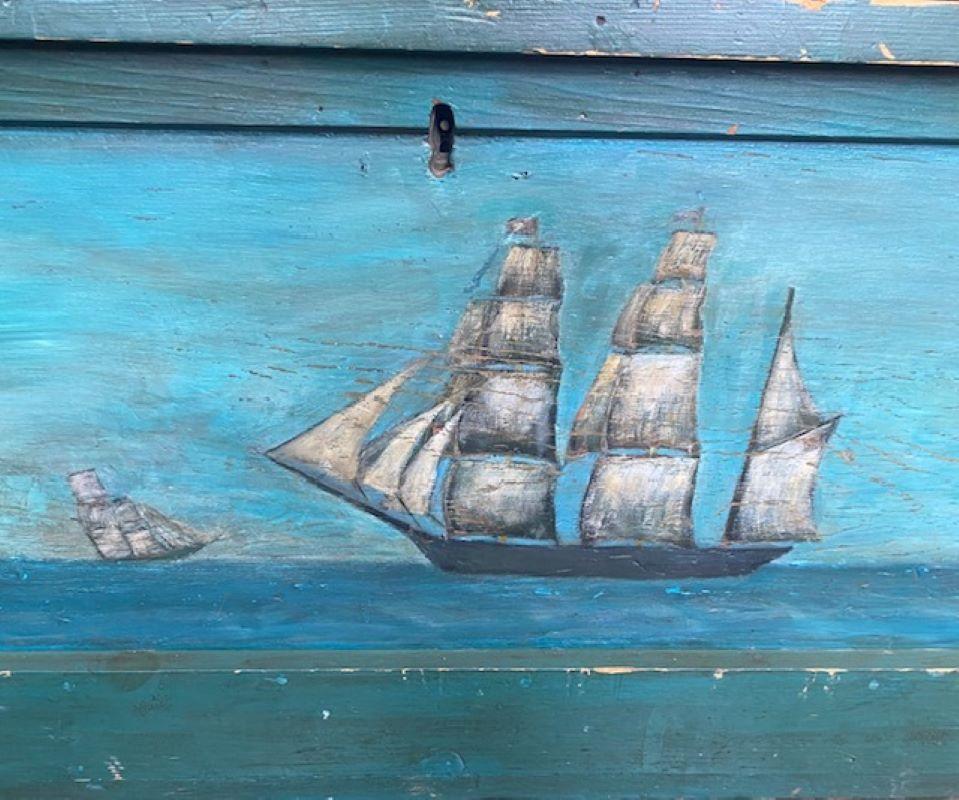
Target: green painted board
x=478 y=725
x=900 y=31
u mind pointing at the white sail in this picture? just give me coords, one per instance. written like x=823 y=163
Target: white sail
x=642 y=401
x=333 y=447
x=501 y=497
x=775 y=500
x=523 y=331
x=786 y=407
x=121 y=529
x=506 y=331
x=530 y=272
x=510 y=412
x=661 y=315
x=419 y=477
x=589 y=428
x=632 y=499
x=655 y=403
x=685 y=256
x=385 y=472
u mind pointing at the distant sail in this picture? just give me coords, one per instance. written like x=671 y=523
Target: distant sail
x=502 y=497
x=640 y=412
x=122 y=530
x=640 y=499
x=333 y=447
x=774 y=498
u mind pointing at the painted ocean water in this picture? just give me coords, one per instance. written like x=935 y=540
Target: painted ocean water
x=216 y=604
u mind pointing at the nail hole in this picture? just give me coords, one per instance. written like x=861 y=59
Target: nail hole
x=440 y=139
x=600 y=20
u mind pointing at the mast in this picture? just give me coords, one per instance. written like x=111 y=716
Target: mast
x=505 y=359
x=773 y=500
x=640 y=413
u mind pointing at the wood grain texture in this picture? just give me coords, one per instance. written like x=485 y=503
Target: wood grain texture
x=285 y=726
x=900 y=31
x=521 y=94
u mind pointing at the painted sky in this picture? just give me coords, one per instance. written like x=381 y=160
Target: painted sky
x=174 y=304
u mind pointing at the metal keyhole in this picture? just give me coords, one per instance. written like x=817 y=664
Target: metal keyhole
x=440 y=139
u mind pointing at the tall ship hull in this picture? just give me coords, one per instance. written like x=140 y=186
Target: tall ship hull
x=580 y=561
x=471 y=478
x=492 y=557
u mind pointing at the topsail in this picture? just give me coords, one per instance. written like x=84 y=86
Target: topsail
x=773 y=500
x=640 y=413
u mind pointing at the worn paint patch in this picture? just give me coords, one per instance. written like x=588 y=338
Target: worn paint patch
x=811 y=5
x=886 y=52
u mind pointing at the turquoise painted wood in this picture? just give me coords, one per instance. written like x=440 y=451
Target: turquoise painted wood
x=207 y=250
x=857 y=31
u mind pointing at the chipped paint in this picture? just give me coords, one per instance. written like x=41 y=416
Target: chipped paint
x=886 y=52
x=810 y=5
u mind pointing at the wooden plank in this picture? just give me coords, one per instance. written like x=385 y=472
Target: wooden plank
x=144 y=729
x=573 y=96
x=201 y=297
x=899 y=31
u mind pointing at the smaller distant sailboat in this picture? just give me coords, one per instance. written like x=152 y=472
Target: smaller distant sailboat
x=122 y=530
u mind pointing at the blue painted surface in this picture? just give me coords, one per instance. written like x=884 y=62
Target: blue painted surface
x=174 y=304
x=216 y=605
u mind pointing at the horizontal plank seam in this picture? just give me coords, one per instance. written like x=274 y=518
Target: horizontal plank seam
x=931 y=662
x=529 y=58
x=478 y=132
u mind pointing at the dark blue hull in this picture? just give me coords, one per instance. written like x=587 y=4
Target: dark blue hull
x=577 y=561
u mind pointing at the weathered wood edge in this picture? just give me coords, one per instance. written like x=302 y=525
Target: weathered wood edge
x=600 y=661
x=57 y=85
x=569 y=733
x=896 y=31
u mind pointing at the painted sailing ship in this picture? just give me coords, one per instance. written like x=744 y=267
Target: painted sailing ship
x=122 y=530
x=472 y=479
